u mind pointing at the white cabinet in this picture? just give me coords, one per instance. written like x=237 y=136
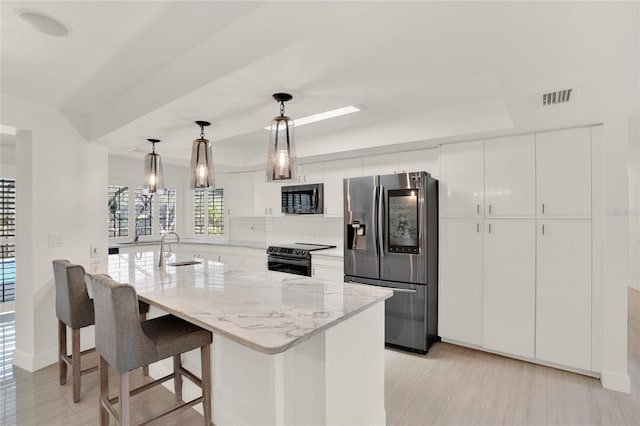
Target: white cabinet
x=311 y=173
x=266 y=196
x=510 y=176
x=563 y=184
x=563 y=294
x=385 y=164
x=334 y=174
x=427 y=160
x=460 y=301
x=510 y=286
x=238 y=194
x=462 y=179
x=330 y=268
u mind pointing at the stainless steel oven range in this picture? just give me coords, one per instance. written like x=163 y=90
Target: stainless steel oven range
x=293 y=258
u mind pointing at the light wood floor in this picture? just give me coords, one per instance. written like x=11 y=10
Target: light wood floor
x=451 y=385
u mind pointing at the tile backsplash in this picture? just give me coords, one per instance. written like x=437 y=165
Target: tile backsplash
x=287 y=229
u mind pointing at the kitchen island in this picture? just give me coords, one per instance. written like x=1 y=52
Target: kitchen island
x=287 y=350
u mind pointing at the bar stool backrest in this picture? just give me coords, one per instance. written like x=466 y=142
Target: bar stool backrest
x=73 y=305
x=119 y=337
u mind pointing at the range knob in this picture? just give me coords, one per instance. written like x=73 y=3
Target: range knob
x=304 y=252
x=297 y=251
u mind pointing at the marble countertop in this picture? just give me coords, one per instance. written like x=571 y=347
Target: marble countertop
x=265 y=310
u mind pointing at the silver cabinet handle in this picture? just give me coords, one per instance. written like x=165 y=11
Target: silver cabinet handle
x=478 y=208
x=543 y=229
x=489 y=228
x=542 y=208
x=489 y=208
x=265 y=210
x=270 y=210
x=478 y=227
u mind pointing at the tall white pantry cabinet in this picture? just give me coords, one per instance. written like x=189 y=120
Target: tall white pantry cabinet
x=515 y=246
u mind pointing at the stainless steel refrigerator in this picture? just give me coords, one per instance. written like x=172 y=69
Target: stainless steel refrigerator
x=391 y=240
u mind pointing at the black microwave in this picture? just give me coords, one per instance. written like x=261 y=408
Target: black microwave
x=303 y=199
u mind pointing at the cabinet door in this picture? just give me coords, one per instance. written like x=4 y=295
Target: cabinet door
x=334 y=174
x=238 y=194
x=460 y=285
x=266 y=196
x=427 y=160
x=563 y=162
x=385 y=164
x=510 y=176
x=563 y=295
x=462 y=179
x=310 y=173
x=509 y=286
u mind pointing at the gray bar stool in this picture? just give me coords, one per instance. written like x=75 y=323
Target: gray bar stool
x=125 y=344
x=74 y=309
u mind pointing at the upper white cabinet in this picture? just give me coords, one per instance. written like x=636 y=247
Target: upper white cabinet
x=238 y=194
x=510 y=286
x=334 y=174
x=563 y=160
x=311 y=172
x=510 y=176
x=266 y=196
x=563 y=294
x=427 y=160
x=462 y=179
x=385 y=164
x=460 y=302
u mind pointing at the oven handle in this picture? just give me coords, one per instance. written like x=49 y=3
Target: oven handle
x=395 y=290
x=286 y=260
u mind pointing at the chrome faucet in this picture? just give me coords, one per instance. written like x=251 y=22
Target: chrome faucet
x=162 y=254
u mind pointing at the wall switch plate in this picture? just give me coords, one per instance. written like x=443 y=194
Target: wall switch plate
x=95 y=251
x=55 y=240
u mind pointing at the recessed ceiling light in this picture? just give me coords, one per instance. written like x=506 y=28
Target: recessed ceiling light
x=43 y=24
x=324 y=115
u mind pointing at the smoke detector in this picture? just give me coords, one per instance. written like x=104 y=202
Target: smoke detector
x=558 y=97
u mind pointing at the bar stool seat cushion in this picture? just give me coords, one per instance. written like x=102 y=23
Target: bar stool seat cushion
x=172 y=335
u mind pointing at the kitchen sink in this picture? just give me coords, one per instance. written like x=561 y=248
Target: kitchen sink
x=185 y=263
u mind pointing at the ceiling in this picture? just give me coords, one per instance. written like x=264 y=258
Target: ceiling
x=422 y=72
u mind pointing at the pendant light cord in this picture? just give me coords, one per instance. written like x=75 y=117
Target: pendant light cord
x=281 y=108
x=201 y=131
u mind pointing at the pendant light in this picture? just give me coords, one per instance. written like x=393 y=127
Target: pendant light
x=201 y=175
x=281 y=158
x=153 y=176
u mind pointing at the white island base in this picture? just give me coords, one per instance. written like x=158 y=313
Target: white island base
x=335 y=377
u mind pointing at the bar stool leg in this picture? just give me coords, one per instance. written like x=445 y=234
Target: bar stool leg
x=75 y=362
x=205 y=361
x=145 y=368
x=62 y=350
x=103 y=369
x=124 y=400
x=177 y=377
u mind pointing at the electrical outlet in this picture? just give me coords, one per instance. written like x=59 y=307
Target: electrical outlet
x=95 y=251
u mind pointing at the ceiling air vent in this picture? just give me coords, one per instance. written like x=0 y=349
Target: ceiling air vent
x=559 y=97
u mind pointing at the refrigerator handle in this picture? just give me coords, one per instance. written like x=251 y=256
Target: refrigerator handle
x=374 y=214
x=380 y=221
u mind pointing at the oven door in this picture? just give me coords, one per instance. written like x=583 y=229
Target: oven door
x=290 y=265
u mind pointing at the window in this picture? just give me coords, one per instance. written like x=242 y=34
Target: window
x=7 y=232
x=118 y=211
x=143 y=214
x=213 y=220
x=167 y=213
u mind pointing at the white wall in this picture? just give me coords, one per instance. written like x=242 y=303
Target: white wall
x=61 y=181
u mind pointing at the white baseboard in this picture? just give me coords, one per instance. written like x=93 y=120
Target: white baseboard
x=616 y=381
x=33 y=363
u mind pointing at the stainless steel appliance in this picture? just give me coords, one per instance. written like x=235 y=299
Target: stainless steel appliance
x=293 y=258
x=391 y=240
x=303 y=199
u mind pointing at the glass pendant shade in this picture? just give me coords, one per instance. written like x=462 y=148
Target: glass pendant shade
x=281 y=158
x=153 y=175
x=201 y=175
